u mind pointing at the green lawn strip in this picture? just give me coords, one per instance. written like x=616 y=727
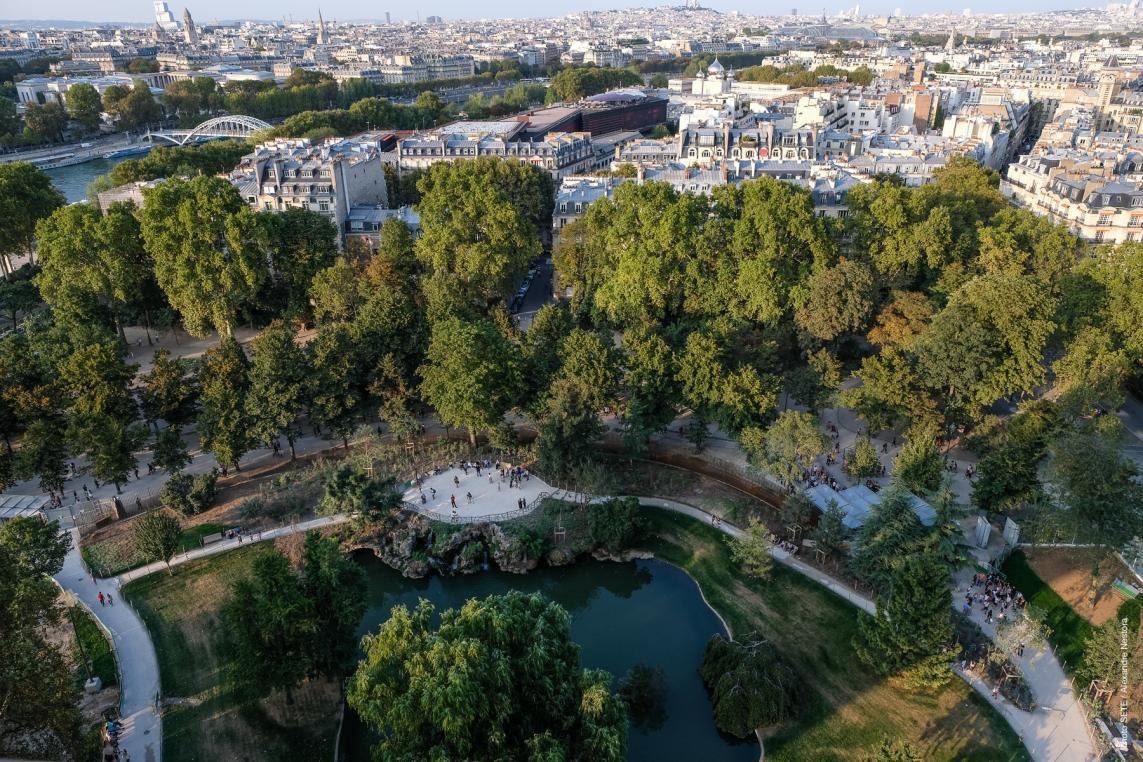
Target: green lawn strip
x=191 y=537
x=96 y=649
x=115 y=556
x=1069 y=630
x=181 y=613
x=851 y=710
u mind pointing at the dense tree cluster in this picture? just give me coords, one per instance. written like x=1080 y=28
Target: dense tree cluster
x=796 y=75
x=575 y=82
x=38 y=692
x=499 y=678
x=283 y=626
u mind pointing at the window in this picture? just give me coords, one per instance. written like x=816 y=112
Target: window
x=1099 y=235
x=268 y=206
x=323 y=206
x=1104 y=218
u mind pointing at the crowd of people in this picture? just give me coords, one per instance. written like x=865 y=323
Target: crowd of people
x=996 y=596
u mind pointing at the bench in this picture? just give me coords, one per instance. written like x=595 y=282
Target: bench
x=212 y=538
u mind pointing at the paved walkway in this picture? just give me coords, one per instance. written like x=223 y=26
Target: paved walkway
x=1056 y=730
x=138 y=667
x=225 y=545
x=491 y=495
x=142 y=734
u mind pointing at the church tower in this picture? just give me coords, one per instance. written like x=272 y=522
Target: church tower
x=322 y=37
x=190 y=33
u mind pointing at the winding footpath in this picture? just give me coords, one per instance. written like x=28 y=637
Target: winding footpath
x=1056 y=730
x=139 y=686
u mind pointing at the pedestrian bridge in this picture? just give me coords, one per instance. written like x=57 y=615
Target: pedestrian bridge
x=235 y=126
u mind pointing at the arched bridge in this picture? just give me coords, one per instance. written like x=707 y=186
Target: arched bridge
x=237 y=126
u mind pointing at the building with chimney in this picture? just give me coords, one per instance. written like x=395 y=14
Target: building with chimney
x=328 y=178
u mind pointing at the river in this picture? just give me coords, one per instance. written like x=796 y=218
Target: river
x=622 y=614
x=72 y=181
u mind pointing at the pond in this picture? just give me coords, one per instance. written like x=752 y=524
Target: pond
x=622 y=614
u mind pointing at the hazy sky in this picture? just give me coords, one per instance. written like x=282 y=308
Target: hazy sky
x=205 y=11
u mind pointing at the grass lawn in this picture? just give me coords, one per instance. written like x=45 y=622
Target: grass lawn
x=96 y=650
x=116 y=555
x=209 y=723
x=853 y=710
x=1069 y=629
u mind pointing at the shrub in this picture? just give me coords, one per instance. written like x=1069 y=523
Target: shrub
x=616 y=524
x=189 y=495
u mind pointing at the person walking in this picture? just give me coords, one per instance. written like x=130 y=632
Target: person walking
x=110 y=600
x=101 y=599
x=452 y=499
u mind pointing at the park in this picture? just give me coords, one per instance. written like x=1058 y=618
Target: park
x=756 y=482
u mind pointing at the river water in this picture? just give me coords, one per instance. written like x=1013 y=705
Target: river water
x=72 y=181
x=622 y=614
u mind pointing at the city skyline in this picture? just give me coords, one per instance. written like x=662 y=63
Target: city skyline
x=212 y=11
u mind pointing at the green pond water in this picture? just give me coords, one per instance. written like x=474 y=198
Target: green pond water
x=622 y=614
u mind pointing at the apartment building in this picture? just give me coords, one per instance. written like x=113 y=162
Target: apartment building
x=328 y=178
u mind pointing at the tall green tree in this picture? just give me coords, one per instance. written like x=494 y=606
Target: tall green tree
x=169 y=390
x=208 y=247
x=752 y=549
x=652 y=395
x=170 y=453
x=839 y=300
x=84 y=105
x=335 y=586
x=87 y=257
x=46 y=121
x=568 y=430
x=301 y=244
x=475 y=242
x=913 y=625
x=223 y=417
x=26 y=197
x=890 y=533
x=336 y=382
x=157 y=537
x=133 y=109
x=1097 y=484
x=919 y=466
x=103 y=409
x=270 y=628
x=336 y=293
x=279 y=381
x=788 y=447
x=498 y=678
x=471 y=374
x=38 y=693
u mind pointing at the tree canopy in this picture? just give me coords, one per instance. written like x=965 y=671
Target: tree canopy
x=499 y=677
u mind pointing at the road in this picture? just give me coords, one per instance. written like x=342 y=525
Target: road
x=99 y=146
